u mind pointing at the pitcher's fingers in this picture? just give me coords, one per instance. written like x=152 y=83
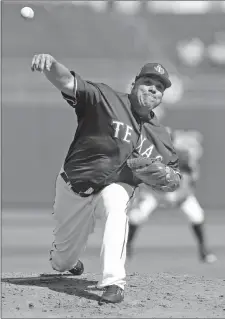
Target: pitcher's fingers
x=48 y=63
x=42 y=62
x=33 y=62
x=37 y=62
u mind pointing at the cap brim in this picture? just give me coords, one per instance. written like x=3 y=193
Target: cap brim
x=163 y=78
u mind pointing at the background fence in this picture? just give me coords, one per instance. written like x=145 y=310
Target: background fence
x=108 y=45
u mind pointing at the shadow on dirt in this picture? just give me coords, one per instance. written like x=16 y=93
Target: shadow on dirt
x=64 y=283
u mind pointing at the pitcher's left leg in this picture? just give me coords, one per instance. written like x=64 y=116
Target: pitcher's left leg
x=112 y=208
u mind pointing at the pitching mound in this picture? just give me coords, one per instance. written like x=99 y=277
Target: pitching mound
x=65 y=296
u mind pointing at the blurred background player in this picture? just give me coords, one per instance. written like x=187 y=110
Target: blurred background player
x=188 y=144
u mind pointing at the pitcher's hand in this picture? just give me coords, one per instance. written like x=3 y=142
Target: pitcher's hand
x=41 y=62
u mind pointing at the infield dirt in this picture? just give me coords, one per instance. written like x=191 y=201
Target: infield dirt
x=162 y=295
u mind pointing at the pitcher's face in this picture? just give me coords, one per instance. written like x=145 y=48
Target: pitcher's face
x=147 y=93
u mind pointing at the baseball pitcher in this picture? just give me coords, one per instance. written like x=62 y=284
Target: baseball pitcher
x=98 y=178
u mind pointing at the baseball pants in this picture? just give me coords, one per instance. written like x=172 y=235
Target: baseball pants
x=75 y=219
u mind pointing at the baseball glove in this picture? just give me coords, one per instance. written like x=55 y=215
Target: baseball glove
x=154 y=173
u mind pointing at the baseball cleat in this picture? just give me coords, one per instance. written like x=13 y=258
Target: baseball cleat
x=112 y=294
x=209 y=258
x=78 y=269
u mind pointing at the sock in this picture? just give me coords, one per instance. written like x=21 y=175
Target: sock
x=132 y=233
x=199 y=234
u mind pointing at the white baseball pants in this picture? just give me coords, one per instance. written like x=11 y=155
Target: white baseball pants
x=75 y=218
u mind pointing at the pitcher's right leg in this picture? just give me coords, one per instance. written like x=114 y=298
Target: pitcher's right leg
x=74 y=222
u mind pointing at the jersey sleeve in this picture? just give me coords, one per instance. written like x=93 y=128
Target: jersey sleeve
x=166 y=137
x=85 y=93
x=174 y=160
x=174 y=163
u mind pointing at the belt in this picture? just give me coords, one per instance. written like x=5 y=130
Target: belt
x=65 y=178
x=86 y=193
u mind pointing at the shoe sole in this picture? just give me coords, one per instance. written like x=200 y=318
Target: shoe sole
x=104 y=301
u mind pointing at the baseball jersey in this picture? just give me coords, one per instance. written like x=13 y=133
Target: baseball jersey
x=108 y=133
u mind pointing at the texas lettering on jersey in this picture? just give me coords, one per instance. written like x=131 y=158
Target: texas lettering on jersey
x=124 y=132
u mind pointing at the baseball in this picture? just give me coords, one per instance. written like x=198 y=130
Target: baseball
x=27 y=13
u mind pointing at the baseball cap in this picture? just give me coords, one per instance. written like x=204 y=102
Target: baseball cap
x=156 y=69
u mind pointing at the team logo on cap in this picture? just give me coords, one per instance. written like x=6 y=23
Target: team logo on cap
x=159 y=69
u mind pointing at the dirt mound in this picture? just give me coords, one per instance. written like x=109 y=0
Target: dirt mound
x=66 y=296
